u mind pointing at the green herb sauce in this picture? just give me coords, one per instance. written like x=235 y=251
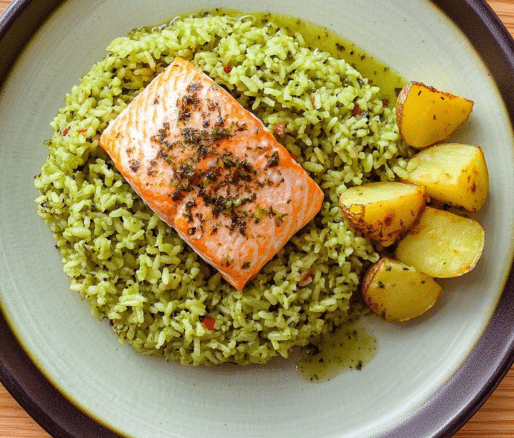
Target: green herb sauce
x=321 y=38
x=318 y=37
x=350 y=347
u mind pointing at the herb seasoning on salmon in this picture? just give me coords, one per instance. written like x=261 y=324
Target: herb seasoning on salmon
x=211 y=170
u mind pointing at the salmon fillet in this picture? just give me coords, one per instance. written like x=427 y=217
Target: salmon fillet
x=212 y=171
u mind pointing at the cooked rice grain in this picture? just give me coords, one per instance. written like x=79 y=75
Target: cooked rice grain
x=136 y=271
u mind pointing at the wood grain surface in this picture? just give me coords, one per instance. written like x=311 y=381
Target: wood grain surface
x=495 y=418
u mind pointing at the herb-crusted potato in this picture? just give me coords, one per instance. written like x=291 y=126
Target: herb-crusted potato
x=383 y=211
x=442 y=244
x=455 y=174
x=426 y=115
x=397 y=292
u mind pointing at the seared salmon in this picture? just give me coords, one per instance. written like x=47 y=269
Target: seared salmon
x=211 y=170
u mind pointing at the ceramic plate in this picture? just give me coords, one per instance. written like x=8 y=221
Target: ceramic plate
x=428 y=377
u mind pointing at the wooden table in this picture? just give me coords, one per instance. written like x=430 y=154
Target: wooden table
x=495 y=418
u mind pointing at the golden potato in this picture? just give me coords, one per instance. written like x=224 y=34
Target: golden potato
x=397 y=292
x=383 y=211
x=454 y=174
x=426 y=116
x=442 y=244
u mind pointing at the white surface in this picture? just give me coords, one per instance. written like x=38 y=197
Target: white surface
x=145 y=397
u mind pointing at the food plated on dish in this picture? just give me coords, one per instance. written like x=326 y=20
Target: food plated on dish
x=198 y=235
x=415 y=361
x=139 y=273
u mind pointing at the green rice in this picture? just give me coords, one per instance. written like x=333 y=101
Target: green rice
x=137 y=272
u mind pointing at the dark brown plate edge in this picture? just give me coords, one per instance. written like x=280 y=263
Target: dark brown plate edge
x=440 y=416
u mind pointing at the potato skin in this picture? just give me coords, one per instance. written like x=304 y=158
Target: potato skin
x=453 y=174
x=397 y=292
x=383 y=211
x=426 y=115
x=442 y=244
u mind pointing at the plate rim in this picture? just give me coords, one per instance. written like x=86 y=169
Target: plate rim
x=441 y=415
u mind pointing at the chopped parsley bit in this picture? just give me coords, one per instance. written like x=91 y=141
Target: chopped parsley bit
x=134 y=165
x=279 y=217
x=273 y=160
x=226 y=158
x=194 y=86
x=234 y=176
x=227 y=260
x=261 y=213
x=192 y=135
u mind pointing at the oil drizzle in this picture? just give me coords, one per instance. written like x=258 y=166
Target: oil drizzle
x=349 y=347
x=317 y=37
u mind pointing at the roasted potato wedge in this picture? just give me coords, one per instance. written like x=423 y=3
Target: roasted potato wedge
x=454 y=174
x=442 y=244
x=397 y=292
x=426 y=116
x=383 y=211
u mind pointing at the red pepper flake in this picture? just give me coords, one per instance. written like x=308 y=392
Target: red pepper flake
x=208 y=322
x=81 y=131
x=385 y=102
x=356 y=110
x=279 y=129
x=227 y=69
x=293 y=156
x=65 y=131
x=306 y=278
